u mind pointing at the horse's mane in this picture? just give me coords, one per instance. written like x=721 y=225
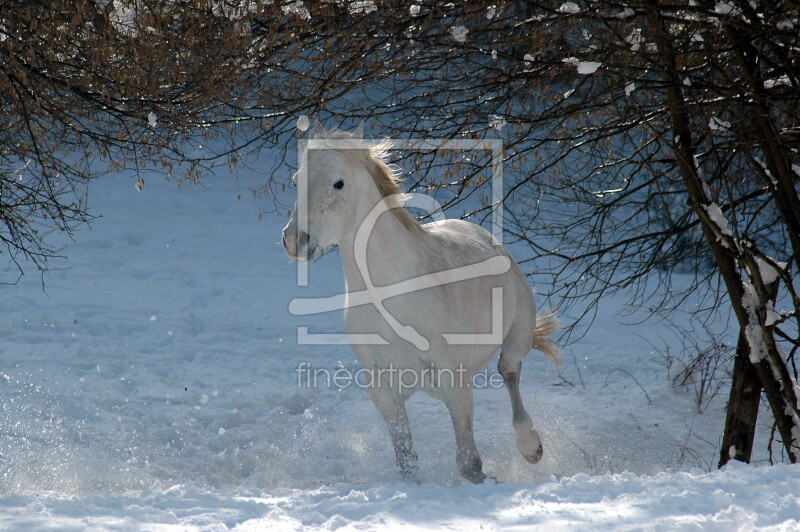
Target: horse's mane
x=373 y=157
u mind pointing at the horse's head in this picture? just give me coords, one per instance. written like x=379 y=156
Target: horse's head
x=335 y=189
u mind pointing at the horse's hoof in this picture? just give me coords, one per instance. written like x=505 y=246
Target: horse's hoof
x=535 y=457
x=473 y=472
x=477 y=478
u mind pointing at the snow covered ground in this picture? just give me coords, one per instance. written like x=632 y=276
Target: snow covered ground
x=152 y=385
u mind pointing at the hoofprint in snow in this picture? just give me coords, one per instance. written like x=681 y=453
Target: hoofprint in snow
x=153 y=384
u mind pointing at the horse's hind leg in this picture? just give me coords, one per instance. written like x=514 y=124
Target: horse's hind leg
x=393 y=409
x=515 y=348
x=459 y=403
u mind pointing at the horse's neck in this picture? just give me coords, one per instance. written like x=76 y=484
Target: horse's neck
x=394 y=253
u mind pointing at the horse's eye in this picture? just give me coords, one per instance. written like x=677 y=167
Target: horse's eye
x=339 y=185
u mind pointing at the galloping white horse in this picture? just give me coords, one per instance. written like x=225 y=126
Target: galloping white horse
x=427 y=306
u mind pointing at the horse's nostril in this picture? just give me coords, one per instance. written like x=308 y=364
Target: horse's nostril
x=302 y=239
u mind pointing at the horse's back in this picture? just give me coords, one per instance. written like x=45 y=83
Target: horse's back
x=458 y=243
x=461 y=243
x=467 y=237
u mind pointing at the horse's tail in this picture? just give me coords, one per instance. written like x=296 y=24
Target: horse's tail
x=547 y=324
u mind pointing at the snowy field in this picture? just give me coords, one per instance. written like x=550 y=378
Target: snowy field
x=152 y=385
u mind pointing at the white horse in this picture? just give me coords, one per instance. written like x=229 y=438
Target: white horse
x=427 y=306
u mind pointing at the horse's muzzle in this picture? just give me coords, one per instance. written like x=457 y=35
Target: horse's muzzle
x=296 y=245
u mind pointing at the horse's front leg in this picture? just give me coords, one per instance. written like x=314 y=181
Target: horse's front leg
x=392 y=407
x=459 y=403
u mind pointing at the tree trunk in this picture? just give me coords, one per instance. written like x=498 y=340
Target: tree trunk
x=728 y=252
x=742 y=411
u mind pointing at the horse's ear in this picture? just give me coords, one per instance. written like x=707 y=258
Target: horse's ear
x=317 y=130
x=359 y=132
